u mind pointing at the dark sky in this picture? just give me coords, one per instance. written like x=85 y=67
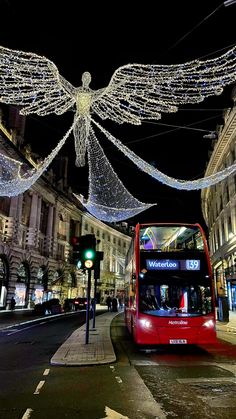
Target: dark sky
x=99 y=37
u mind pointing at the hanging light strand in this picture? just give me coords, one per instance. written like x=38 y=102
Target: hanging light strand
x=165 y=179
x=108 y=199
x=14 y=181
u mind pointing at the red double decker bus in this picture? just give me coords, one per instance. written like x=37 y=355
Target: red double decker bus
x=169 y=292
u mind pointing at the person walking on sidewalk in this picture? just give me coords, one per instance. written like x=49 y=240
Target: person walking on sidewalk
x=114 y=304
x=13 y=303
x=108 y=301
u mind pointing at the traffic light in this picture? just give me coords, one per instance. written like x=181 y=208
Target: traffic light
x=84 y=251
x=88 y=258
x=75 y=256
x=99 y=257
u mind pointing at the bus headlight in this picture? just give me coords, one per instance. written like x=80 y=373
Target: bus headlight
x=146 y=323
x=209 y=324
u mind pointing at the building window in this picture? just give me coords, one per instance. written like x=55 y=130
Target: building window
x=44 y=218
x=26 y=208
x=5 y=206
x=61 y=228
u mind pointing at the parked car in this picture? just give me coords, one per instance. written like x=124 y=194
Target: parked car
x=52 y=306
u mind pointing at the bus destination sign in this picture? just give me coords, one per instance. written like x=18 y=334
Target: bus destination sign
x=173 y=264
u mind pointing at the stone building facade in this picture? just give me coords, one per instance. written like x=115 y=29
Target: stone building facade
x=219 y=210
x=35 y=236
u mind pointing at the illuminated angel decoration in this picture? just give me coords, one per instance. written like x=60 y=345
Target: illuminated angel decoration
x=136 y=92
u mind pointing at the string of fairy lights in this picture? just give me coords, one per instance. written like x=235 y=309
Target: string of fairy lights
x=14 y=180
x=108 y=199
x=136 y=92
x=189 y=185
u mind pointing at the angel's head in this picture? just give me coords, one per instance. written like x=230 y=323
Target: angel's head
x=86 y=79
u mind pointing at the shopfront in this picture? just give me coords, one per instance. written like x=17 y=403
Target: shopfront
x=4 y=277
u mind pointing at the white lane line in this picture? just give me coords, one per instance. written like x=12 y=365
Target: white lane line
x=118 y=379
x=27 y=414
x=24 y=328
x=46 y=372
x=39 y=386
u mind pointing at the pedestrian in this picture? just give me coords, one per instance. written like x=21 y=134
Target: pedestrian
x=13 y=303
x=114 y=304
x=120 y=303
x=108 y=301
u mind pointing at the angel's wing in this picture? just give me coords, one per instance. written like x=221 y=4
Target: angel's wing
x=139 y=91
x=32 y=81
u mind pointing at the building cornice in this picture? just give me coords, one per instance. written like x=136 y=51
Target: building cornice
x=222 y=145
x=218 y=157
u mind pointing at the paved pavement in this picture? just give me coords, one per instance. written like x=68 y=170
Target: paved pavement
x=99 y=349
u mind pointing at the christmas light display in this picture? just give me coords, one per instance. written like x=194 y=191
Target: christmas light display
x=14 y=179
x=189 y=185
x=108 y=199
x=136 y=92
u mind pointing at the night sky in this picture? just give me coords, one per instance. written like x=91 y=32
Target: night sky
x=99 y=38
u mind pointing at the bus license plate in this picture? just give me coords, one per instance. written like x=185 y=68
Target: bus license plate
x=178 y=341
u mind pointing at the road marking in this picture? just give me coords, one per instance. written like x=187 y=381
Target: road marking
x=143 y=362
x=23 y=329
x=112 y=414
x=206 y=380
x=39 y=386
x=46 y=372
x=118 y=379
x=27 y=414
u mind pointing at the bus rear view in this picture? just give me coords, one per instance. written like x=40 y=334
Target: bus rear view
x=169 y=286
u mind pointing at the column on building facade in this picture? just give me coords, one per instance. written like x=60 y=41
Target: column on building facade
x=10 y=227
x=15 y=258
x=225 y=227
x=233 y=216
x=32 y=230
x=220 y=232
x=49 y=237
x=13 y=206
x=38 y=220
x=55 y=230
x=19 y=218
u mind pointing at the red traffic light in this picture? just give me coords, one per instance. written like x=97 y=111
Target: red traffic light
x=74 y=240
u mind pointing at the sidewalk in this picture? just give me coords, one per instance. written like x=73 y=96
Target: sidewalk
x=228 y=326
x=98 y=350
